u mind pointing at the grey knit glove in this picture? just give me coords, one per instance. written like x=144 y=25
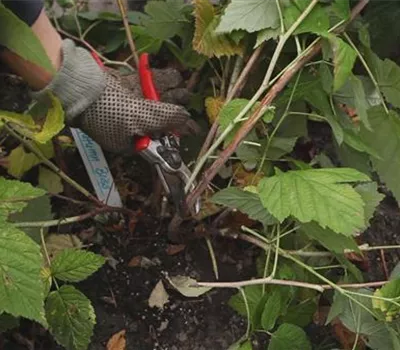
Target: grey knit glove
x=110 y=108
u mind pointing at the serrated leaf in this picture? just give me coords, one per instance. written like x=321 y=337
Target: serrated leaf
x=206 y=40
x=19 y=38
x=319 y=195
x=344 y=57
x=355 y=141
x=71 y=317
x=275 y=305
x=289 y=336
x=371 y=197
x=385 y=140
x=267 y=34
x=21 y=290
x=50 y=181
x=165 y=19
x=53 y=123
x=249 y=15
x=15 y=194
x=19 y=161
x=74 y=265
x=387 y=75
x=56 y=243
x=37 y=209
x=245 y=201
x=331 y=240
x=317 y=21
x=280 y=146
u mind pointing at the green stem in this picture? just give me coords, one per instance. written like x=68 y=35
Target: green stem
x=213 y=258
x=246 y=304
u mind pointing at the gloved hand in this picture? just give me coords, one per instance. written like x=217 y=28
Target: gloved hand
x=110 y=108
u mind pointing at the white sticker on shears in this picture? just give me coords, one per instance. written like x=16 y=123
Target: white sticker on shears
x=97 y=168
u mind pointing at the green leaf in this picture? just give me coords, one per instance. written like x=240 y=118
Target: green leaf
x=391 y=290
x=301 y=314
x=19 y=38
x=254 y=295
x=53 y=123
x=15 y=194
x=289 y=336
x=344 y=57
x=385 y=140
x=371 y=197
x=21 y=290
x=145 y=42
x=249 y=15
x=341 y=8
x=49 y=180
x=317 y=21
x=231 y=110
x=246 y=346
x=331 y=240
x=280 y=146
x=7 y=322
x=71 y=317
x=275 y=305
x=37 y=209
x=19 y=161
x=387 y=74
x=319 y=195
x=166 y=19
x=205 y=40
x=267 y=34
x=73 y=265
x=245 y=201
x=355 y=141
x=349 y=157
x=360 y=100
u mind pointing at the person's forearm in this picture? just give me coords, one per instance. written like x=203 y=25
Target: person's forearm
x=36 y=77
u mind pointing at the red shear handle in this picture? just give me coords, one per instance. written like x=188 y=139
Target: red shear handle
x=146 y=79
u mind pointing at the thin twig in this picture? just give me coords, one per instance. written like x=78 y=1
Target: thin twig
x=28 y=144
x=128 y=32
x=69 y=220
x=91 y=48
x=291 y=283
x=213 y=258
x=253 y=119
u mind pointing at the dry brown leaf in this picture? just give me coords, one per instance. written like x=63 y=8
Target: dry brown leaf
x=346 y=337
x=245 y=178
x=173 y=249
x=213 y=107
x=135 y=261
x=117 y=341
x=58 y=242
x=159 y=296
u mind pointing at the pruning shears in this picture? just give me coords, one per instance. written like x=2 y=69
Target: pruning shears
x=163 y=153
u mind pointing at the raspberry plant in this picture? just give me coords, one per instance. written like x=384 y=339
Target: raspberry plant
x=265 y=73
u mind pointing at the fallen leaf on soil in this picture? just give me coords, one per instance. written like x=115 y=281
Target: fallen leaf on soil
x=117 y=341
x=135 y=261
x=58 y=242
x=110 y=259
x=173 y=249
x=159 y=296
x=184 y=285
x=245 y=178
